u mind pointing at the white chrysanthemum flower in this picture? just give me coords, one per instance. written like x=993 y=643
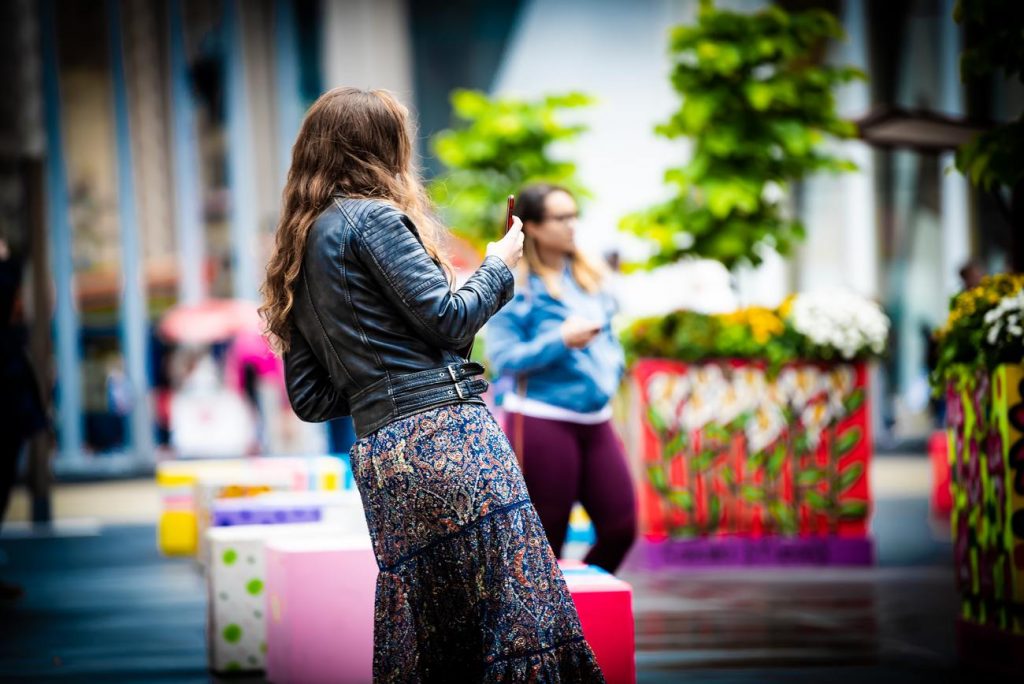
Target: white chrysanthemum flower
x=1003 y=321
x=841 y=320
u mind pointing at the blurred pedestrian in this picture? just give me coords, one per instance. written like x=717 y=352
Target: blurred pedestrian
x=555 y=338
x=358 y=297
x=21 y=410
x=971 y=274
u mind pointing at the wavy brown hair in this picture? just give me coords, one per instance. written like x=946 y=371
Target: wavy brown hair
x=356 y=143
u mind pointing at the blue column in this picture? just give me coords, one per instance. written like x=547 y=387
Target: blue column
x=188 y=212
x=134 y=315
x=244 y=232
x=289 y=113
x=66 y=327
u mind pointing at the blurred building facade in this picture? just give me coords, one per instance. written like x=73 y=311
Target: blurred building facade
x=144 y=152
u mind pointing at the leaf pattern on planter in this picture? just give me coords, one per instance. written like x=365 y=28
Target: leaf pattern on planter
x=783 y=428
x=986 y=466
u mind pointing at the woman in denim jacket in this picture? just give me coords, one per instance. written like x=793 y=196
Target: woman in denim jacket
x=555 y=339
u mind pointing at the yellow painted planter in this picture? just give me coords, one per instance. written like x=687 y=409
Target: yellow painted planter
x=986 y=418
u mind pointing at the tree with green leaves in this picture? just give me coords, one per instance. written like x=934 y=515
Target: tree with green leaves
x=758 y=106
x=993 y=160
x=501 y=144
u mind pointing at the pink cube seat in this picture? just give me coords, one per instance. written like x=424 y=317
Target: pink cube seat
x=320 y=596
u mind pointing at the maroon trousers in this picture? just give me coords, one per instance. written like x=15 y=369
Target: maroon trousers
x=566 y=462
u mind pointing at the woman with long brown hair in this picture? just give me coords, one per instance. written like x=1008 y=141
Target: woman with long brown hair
x=358 y=300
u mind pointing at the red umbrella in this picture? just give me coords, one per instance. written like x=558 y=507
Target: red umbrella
x=210 y=321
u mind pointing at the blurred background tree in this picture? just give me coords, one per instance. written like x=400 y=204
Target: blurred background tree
x=501 y=144
x=758 y=106
x=993 y=160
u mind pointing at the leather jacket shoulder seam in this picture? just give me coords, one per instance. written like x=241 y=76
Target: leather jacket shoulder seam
x=351 y=227
x=445 y=338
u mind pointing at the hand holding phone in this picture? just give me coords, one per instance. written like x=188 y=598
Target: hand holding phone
x=510 y=206
x=510 y=247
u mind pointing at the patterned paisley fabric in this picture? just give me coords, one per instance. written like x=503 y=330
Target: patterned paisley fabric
x=469 y=589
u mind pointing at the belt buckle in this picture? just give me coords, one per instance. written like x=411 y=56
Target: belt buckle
x=455 y=379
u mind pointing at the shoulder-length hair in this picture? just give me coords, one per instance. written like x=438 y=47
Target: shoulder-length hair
x=530 y=208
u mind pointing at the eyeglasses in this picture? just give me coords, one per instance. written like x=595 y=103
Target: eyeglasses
x=563 y=218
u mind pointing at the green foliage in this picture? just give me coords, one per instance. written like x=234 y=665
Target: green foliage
x=757 y=107
x=992 y=160
x=998 y=25
x=753 y=333
x=501 y=145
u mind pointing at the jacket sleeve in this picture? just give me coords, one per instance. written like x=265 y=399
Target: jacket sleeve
x=312 y=394
x=511 y=349
x=417 y=286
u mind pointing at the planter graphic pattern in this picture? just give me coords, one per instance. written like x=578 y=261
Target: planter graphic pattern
x=731 y=450
x=985 y=414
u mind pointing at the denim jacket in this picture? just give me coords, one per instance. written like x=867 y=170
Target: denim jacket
x=524 y=339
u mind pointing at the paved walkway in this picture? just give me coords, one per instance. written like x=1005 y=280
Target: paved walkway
x=101 y=605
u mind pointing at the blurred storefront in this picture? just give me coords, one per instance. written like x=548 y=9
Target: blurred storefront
x=144 y=152
x=145 y=146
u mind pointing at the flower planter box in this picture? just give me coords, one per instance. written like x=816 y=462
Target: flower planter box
x=985 y=414
x=743 y=467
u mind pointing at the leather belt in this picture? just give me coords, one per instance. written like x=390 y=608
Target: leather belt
x=415 y=392
x=448 y=383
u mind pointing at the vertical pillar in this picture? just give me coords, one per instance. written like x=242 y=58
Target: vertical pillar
x=244 y=231
x=58 y=221
x=956 y=248
x=134 y=314
x=860 y=237
x=289 y=114
x=188 y=213
x=367 y=45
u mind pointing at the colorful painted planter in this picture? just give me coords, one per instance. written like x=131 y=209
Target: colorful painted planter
x=746 y=467
x=985 y=415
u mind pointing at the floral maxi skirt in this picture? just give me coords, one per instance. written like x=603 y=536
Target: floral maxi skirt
x=469 y=589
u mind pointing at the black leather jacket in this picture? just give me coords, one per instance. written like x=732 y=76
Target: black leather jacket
x=377 y=333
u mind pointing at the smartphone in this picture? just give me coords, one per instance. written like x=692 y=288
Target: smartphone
x=510 y=206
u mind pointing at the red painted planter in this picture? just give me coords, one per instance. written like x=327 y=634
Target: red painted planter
x=732 y=451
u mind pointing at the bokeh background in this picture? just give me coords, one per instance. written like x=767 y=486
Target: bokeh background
x=144 y=145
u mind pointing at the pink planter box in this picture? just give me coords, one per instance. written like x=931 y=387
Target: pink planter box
x=605 y=606
x=320 y=595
